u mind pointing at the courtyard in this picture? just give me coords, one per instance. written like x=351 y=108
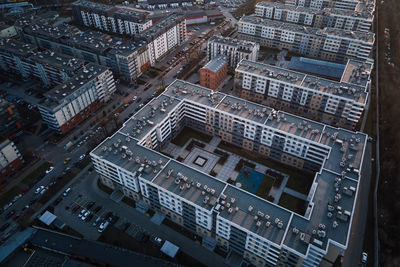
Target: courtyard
x=249 y=171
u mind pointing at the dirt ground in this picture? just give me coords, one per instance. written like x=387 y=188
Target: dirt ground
x=389 y=187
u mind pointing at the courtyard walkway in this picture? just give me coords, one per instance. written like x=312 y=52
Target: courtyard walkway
x=228 y=168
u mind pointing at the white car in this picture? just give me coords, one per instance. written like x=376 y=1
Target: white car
x=84 y=216
x=82 y=157
x=134 y=98
x=364 y=257
x=40 y=188
x=49 y=170
x=81 y=213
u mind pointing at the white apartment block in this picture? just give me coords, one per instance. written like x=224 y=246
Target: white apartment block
x=349 y=20
x=339 y=104
x=263 y=233
x=235 y=50
x=117 y=19
x=67 y=104
x=331 y=44
x=10 y=158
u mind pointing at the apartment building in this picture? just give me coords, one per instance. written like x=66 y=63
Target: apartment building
x=349 y=20
x=338 y=4
x=10 y=158
x=338 y=103
x=68 y=104
x=117 y=19
x=261 y=232
x=164 y=36
x=26 y=60
x=234 y=49
x=10 y=120
x=214 y=72
x=330 y=44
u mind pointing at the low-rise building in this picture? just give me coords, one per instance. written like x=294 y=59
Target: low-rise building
x=214 y=72
x=263 y=233
x=330 y=44
x=10 y=158
x=234 y=49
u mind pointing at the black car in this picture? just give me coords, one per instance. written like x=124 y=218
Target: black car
x=89 y=217
x=90 y=205
x=4 y=227
x=10 y=214
x=114 y=219
x=107 y=215
x=58 y=200
x=97 y=209
x=125 y=227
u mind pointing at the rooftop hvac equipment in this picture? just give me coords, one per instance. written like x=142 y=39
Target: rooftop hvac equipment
x=250 y=208
x=267 y=224
x=335 y=224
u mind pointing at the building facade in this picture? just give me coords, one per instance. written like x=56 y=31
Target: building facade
x=10 y=158
x=214 y=72
x=330 y=44
x=10 y=120
x=68 y=104
x=349 y=20
x=261 y=232
x=117 y=19
x=339 y=104
x=234 y=49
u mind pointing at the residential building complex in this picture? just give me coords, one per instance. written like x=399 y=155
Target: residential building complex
x=261 y=232
x=10 y=120
x=338 y=103
x=117 y=19
x=234 y=49
x=26 y=60
x=349 y=20
x=10 y=158
x=69 y=103
x=128 y=59
x=214 y=72
x=330 y=44
x=339 y=4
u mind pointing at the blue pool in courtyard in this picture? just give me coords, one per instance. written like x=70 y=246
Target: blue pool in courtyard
x=250 y=179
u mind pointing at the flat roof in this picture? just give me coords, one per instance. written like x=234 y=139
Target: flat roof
x=188 y=183
x=162 y=26
x=124 y=152
x=366 y=37
x=58 y=61
x=16 y=47
x=216 y=64
x=255 y=214
x=242 y=45
x=149 y=116
x=357 y=72
x=315 y=66
x=353 y=92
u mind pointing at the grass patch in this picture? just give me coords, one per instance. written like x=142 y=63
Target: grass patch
x=36 y=174
x=265 y=187
x=293 y=203
x=187 y=133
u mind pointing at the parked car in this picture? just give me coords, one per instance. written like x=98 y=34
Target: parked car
x=157 y=240
x=9 y=214
x=90 y=204
x=97 y=209
x=96 y=222
x=81 y=213
x=66 y=192
x=75 y=208
x=89 y=218
x=103 y=226
x=364 y=257
x=85 y=215
x=39 y=189
x=58 y=200
x=67 y=160
x=49 y=170
x=125 y=227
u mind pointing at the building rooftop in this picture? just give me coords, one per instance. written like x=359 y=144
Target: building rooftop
x=16 y=47
x=58 y=61
x=360 y=12
x=353 y=92
x=162 y=26
x=331 y=198
x=317 y=67
x=216 y=64
x=149 y=116
x=55 y=96
x=99 y=7
x=94 y=41
x=241 y=45
x=51 y=32
x=191 y=184
x=357 y=72
x=184 y=90
x=124 y=152
x=366 y=37
x=253 y=213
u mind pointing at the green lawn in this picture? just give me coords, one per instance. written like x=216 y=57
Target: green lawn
x=33 y=176
x=187 y=133
x=265 y=186
x=293 y=203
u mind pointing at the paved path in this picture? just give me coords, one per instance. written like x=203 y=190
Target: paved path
x=228 y=168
